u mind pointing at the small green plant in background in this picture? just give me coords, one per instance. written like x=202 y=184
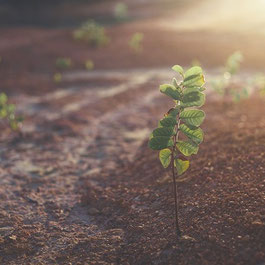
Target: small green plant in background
x=57 y=77
x=92 y=33
x=89 y=64
x=136 y=42
x=182 y=120
x=121 y=11
x=63 y=63
x=259 y=83
x=7 y=113
x=224 y=85
x=195 y=62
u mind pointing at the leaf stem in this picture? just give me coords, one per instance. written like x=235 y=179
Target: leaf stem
x=178 y=231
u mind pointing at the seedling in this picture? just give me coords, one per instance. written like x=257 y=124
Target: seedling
x=57 y=77
x=224 y=85
x=136 y=42
x=7 y=113
x=259 y=83
x=63 y=63
x=92 y=33
x=182 y=120
x=121 y=11
x=89 y=65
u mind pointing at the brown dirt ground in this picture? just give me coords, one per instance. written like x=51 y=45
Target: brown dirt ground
x=80 y=186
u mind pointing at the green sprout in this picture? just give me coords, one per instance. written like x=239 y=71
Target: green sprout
x=195 y=62
x=181 y=120
x=89 y=65
x=63 y=63
x=7 y=113
x=233 y=63
x=136 y=42
x=92 y=33
x=223 y=85
x=259 y=83
x=121 y=11
x=57 y=77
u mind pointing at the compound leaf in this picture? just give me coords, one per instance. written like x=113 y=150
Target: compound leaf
x=181 y=165
x=160 y=142
x=187 y=148
x=170 y=91
x=192 y=117
x=196 y=135
x=165 y=157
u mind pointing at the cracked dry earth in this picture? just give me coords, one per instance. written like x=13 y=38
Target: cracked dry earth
x=80 y=186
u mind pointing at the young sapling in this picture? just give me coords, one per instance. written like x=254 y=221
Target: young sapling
x=182 y=120
x=8 y=113
x=136 y=42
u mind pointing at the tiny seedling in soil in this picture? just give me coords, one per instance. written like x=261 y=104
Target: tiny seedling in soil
x=7 y=113
x=178 y=134
x=136 y=42
x=89 y=65
x=92 y=33
x=225 y=86
x=63 y=63
x=57 y=77
x=121 y=12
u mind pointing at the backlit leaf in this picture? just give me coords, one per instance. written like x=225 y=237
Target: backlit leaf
x=159 y=143
x=196 y=135
x=165 y=157
x=178 y=69
x=167 y=122
x=192 y=117
x=170 y=91
x=187 y=148
x=194 y=77
x=192 y=98
x=163 y=131
x=181 y=165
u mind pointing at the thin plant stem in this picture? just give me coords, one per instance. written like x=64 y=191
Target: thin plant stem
x=178 y=231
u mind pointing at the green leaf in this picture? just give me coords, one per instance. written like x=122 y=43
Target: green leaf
x=10 y=108
x=175 y=83
x=173 y=112
x=165 y=157
x=195 y=70
x=161 y=142
x=3 y=113
x=181 y=165
x=167 y=122
x=178 y=69
x=196 y=135
x=192 y=98
x=163 y=131
x=187 y=148
x=3 y=98
x=170 y=91
x=192 y=117
x=202 y=89
x=194 y=77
